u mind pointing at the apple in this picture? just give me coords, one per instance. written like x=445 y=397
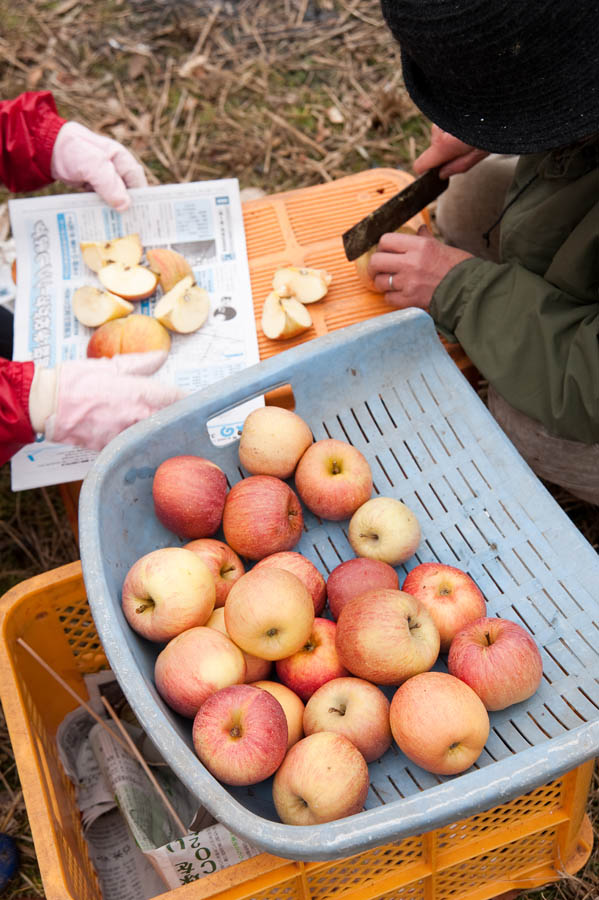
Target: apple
x=128 y=282
x=292 y=707
x=92 y=307
x=167 y=591
x=223 y=562
x=303 y=284
x=134 y=334
x=284 y=317
x=439 y=722
x=262 y=515
x=450 y=595
x=240 y=734
x=357 y=576
x=269 y=613
x=313 y=664
x=97 y=254
x=305 y=570
x=189 y=496
x=498 y=659
x=255 y=668
x=384 y=528
x=169 y=265
x=386 y=636
x=184 y=308
x=322 y=778
x=333 y=479
x=355 y=708
x=194 y=665
x=272 y=441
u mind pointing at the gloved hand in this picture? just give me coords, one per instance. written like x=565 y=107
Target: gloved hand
x=82 y=158
x=88 y=402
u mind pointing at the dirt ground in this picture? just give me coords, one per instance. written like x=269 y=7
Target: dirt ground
x=278 y=93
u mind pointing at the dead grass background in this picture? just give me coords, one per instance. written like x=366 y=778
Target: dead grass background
x=278 y=93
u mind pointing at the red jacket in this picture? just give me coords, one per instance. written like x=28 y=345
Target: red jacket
x=28 y=128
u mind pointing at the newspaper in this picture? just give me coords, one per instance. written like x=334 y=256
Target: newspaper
x=203 y=221
x=136 y=848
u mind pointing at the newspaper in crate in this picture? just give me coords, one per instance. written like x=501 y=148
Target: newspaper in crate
x=134 y=846
x=201 y=220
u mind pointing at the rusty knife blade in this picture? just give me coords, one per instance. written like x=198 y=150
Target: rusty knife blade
x=394 y=213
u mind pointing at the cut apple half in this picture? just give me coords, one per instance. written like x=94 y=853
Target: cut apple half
x=305 y=285
x=129 y=282
x=97 y=254
x=284 y=317
x=184 y=308
x=169 y=265
x=93 y=307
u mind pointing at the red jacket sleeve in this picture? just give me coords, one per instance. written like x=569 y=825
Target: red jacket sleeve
x=15 y=427
x=28 y=128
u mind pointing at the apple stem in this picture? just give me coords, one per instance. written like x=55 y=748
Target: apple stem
x=271 y=632
x=341 y=710
x=143 y=607
x=371 y=536
x=235 y=731
x=335 y=468
x=412 y=625
x=488 y=637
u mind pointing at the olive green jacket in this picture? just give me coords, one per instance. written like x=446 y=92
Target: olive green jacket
x=530 y=323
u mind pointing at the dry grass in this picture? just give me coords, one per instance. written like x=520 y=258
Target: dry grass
x=278 y=94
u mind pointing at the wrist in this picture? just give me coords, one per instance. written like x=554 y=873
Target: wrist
x=42 y=397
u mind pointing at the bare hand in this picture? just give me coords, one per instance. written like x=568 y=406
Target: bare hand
x=445 y=148
x=416 y=263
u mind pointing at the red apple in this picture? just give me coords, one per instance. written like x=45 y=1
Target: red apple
x=305 y=570
x=194 y=665
x=450 y=595
x=189 y=496
x=357 y=576
x=262 y=515
x=322 y=778
x=240 y=734
x=133 y=334
x=269 y=613
x=167 y=591
x=355 y=708
x=315 y=663
x=225 y=565
x=439 y=722
x=292 y=707
x=386 y=636
x=498 y=659
x=255 y=667
x=333 y=479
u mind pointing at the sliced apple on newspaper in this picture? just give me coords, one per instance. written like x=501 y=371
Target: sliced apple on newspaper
x=169 y=265
x=284 y=317
x=131 y=282
x=184 y=308
x=93 y=307
x=97 y=254
x=305 y=285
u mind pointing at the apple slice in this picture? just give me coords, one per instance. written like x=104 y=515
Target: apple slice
x=93 y=307
x=129 y=282
x=169 y=265
x=284 y=317
x=305 y=285
x=97 y=254
x=184 y=308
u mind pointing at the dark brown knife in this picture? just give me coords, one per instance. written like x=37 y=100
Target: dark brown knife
x=394 y=213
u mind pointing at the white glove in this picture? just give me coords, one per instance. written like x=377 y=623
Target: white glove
x=82 y=158
x=88 y=402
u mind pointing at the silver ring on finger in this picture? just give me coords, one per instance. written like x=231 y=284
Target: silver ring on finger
x=390 y=282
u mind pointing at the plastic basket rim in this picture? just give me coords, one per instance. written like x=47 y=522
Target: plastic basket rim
x=369 y=828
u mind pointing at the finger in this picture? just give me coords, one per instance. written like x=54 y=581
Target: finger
x=102 y=176
x=128 y=167
x=387 y=263
x=138 y=363
x=462 y=163
x=155 y=395
x=424 y=231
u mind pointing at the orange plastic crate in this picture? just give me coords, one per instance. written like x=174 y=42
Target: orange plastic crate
x=522 y=844
x=304 y=227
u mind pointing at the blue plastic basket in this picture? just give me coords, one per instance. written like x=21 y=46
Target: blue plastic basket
x=388 y=386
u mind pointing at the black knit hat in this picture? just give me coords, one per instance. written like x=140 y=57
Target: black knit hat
x=509 y=76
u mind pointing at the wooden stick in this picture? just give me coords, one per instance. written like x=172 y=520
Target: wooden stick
x=73 y=693
x=133 y=749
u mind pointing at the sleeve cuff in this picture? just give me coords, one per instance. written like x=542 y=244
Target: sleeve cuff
x=42 y=398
